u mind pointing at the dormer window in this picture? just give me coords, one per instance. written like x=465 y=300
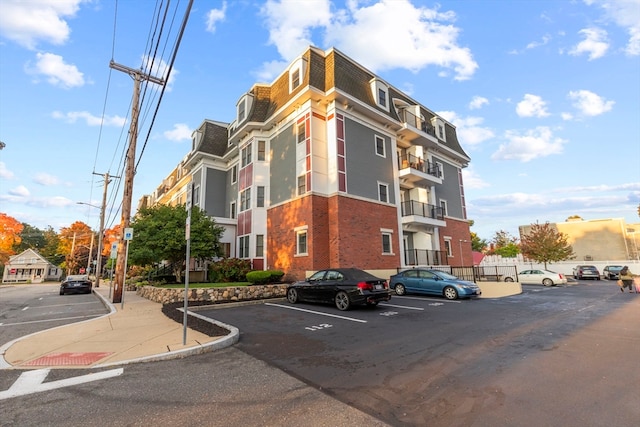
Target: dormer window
x=438 y=125
x=380 y=92
x=243 y=107
x=296 y=73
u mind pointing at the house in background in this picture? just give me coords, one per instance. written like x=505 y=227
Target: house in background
x=598 y=239
x=331 y=166
x=30 y=267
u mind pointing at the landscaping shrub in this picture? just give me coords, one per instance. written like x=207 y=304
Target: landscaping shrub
x=261 y=277
x=229 y=270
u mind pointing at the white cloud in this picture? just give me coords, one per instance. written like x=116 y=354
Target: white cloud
x=214 y=16
x=545 y=39
x=589 y=103
x=535 y=143
x=478 y=102
x=472 y=180
x=51 y=202
x=46 y=179
x=566 y=116
x=27 y=22
x=532 y=106
x=180 y=132
x=468 y=129
x=90 y=119
x=159 y=68
x=626 y=14
x=595 y=43
x=404 y=36
x=4 y=172
x=20 y=191
x=56 y=71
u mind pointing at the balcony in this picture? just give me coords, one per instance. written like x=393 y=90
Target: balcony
x=418 y=216
x=425 y=257
x=416 y=130
x=416 y=170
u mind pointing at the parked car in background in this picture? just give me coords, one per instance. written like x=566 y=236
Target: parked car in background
x=586 y=272
x=76 y=284
x=432 y=282
x=611 y=272
x=541 y=277
x=343 y=287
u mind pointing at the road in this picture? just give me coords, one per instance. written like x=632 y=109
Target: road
x=551 y=356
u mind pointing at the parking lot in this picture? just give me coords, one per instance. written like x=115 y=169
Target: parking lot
x=429 y=361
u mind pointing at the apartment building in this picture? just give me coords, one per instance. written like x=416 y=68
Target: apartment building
x=330 y=166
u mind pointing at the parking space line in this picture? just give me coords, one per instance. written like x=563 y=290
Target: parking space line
x=429 y=299
x=51 y=320
x=316 y=312
x=402 y=306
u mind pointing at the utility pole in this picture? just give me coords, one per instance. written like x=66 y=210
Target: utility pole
x=73 y=248
x=138 y=76
x=101 y=231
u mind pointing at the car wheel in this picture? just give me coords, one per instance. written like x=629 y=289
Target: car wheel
x=450 y=293
x=547 y=282
x=342 y=301
x=508 y=279
x=61 y=292
x=292 y=295
x=400 y=290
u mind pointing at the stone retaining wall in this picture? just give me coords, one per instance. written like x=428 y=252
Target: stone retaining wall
x=213 y=295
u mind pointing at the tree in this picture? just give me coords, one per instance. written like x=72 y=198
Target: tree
x=545 y=244
x=159 y=235
x=10 y=229
x=477 y=244
x=30 y=238
x=74 y=244
x=505 y=245
x=50 y=248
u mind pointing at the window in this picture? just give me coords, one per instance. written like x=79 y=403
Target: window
x=234 y=174
x=246 y=155
x=301 y=132
x=225 y=249
x=302 y=184
x=241 y=111
x=443 y=205
x=441 y=131
x=295 y=79
x=382 y=97
x=243 y=247
x=232 y=210
x=259 y=245
x=383 y=192
x=296 y=73
x=386 y=243
x=262 y=145
x=260 y=197
x=380 y=146
x=301 y=242
x=447 y=246
x=196 y=196
x=245 y=200
x=440 y=169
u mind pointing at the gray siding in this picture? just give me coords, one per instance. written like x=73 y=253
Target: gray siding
x=364 y=167
x=283 y=166
x=449 y=190
x=232 y=192
x=216 y=191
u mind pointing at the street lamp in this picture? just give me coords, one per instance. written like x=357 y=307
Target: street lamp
x=461 y=258
x=100 y=233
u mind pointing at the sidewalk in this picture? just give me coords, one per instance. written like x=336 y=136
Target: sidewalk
x=135 y=332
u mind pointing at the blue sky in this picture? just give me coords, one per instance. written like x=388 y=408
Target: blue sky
x=545 y=95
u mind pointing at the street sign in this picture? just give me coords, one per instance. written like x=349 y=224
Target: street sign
x=114 y=250
x=128 y=234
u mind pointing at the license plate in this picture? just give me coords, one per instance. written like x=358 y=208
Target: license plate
x=379 y=287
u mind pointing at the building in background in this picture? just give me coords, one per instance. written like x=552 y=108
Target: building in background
x=329 y=166
x=30 y=267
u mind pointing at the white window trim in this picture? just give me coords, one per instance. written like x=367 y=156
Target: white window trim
x=376 y=85
x=304 y=178
x=300 y=65
x=379 y=195
x=298 y=231
x=448 y=247
x=445 y=210
x=387 y=232
x=233 y=210
x=375 y=146
x=234 y=173
x=441 y=167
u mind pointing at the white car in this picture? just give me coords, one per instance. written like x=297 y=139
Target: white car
x=545 y=277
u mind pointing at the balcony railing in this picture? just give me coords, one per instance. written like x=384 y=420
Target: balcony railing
x=416 y=122
x=417 y=163
x=425 y=257
x=413 y=207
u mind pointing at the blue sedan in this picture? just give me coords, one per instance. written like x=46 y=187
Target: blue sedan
x=432 y=282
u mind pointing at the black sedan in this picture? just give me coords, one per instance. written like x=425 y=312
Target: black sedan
x=76 y=284
x=343 y=287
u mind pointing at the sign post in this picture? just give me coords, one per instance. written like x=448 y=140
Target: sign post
x=187 y=233
x=113 y=255
x=128 y=236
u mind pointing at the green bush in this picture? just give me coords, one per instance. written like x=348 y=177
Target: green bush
x=229 y=270
x=261 y=277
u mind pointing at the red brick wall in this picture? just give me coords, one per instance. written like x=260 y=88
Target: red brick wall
x=457 y=230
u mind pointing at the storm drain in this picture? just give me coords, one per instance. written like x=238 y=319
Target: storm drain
x=64 y=359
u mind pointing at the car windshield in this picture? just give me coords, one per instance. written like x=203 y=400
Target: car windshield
x=615 y=268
